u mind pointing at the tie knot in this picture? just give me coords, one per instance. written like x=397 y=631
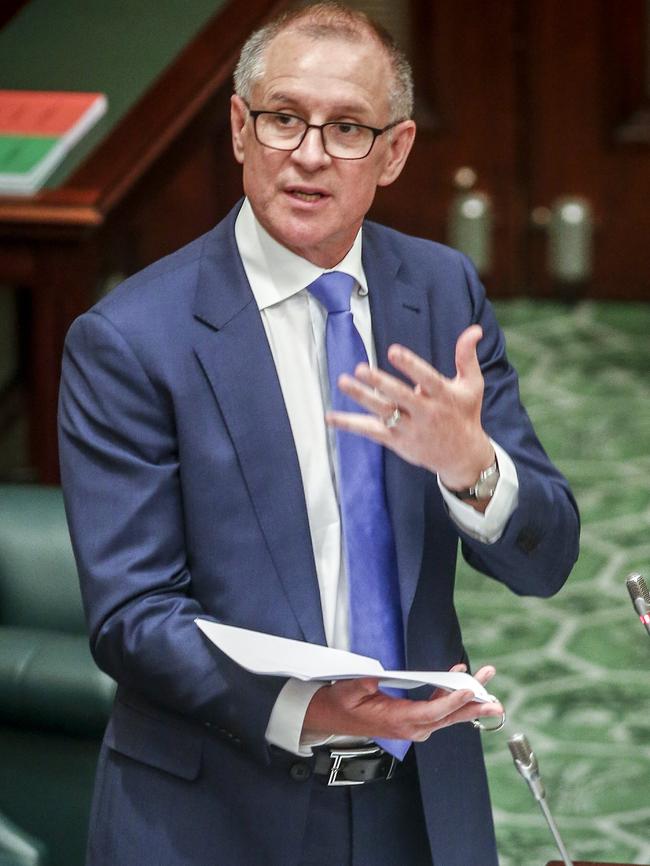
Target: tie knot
x=333 y=290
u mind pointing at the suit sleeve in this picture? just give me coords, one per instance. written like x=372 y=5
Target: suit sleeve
x=539 y=544
x=120 y=476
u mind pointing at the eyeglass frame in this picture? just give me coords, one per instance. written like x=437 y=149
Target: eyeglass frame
x=376 y=131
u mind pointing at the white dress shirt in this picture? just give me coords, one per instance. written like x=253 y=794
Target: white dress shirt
x=294 y=322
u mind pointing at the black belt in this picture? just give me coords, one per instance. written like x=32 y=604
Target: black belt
x=354 y=766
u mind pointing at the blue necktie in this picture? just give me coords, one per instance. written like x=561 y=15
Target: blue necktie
x=375 y=608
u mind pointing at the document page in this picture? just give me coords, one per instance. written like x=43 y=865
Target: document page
x=269 y=654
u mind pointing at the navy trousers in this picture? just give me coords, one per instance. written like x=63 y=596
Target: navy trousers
x=345 y=824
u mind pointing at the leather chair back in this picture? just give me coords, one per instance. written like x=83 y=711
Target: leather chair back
x=38 y=577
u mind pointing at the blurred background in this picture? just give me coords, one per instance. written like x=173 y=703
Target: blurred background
x=533 y=157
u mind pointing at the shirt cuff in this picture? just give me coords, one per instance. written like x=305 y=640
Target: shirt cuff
x=487 y=527
x=288 y=715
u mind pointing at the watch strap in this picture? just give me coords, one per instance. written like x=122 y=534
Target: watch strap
x=483 y=488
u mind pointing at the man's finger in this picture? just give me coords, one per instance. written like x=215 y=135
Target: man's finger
x=365 y=685
x=392 y=388
x=422 y=374
x=439 y=706
x=467 y=713
x=363 y=425
x=485 y=674
x=467 y=363
x=378 y=403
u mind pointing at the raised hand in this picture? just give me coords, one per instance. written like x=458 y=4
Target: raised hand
x=439 y=423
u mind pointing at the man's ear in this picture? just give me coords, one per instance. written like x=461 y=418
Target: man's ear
x=399 y=147
x=238 y=117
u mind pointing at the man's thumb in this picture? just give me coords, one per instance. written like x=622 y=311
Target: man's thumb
x=467 y=365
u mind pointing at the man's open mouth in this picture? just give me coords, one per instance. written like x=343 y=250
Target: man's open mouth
x=306 y=196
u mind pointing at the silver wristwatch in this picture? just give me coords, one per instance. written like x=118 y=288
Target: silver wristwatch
x=484 y=487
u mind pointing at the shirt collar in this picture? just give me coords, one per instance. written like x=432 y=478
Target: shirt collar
x=274 y=272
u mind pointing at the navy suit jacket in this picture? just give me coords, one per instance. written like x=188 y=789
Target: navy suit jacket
x=184 y=498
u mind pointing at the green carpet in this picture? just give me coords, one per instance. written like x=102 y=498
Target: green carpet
x=573 y=671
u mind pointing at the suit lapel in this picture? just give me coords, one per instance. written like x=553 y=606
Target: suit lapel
x=233 y=350
x=400 y=314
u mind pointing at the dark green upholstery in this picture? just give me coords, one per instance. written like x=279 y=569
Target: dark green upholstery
x=38 y=584
x=55 y=701
x=17 y=848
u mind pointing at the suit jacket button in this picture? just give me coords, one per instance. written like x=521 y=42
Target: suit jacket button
x=528 y=540
x=300 y=771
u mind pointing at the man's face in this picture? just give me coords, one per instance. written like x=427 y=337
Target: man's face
x=308 y=201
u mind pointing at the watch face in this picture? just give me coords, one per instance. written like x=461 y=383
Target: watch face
x=485 y=489
x=487 y=484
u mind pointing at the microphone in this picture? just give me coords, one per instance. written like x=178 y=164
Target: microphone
x=640 y=596
x=527 y=766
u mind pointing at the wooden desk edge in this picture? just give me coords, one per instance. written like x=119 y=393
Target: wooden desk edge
x=50 y=212
x=585 y=863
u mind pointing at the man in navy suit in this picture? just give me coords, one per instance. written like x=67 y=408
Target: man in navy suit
x=200 y=474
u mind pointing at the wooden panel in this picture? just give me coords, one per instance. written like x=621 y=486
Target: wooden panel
x=629 y=72
x=117 y=48
x=394 y=15
x=470 y=120
x=152 y=125
x=572 y=149
x=170 y=153
x=9 y=8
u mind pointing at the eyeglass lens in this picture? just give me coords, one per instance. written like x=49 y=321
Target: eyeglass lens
x=285 y=132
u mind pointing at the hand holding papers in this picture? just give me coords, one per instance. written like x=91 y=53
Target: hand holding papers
x=268 y=654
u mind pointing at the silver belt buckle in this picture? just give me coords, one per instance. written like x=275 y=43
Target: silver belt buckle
x=340 y=756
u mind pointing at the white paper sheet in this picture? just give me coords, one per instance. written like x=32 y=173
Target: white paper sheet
x=268 y=654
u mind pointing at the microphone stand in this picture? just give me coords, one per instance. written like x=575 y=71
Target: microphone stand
x=527 y=766
x=556 y=833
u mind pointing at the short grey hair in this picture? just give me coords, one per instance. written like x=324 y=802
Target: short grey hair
x=327 y=20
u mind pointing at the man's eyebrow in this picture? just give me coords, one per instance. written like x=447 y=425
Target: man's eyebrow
x=280 y=99
x=352 y=109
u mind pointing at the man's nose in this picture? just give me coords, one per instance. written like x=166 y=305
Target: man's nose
x=311 y=153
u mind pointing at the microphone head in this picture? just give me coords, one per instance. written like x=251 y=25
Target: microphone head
x=638 y=588
x=526 y=764
x=522 y=754
x=640 y=596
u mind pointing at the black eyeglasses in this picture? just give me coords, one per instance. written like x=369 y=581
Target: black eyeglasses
x=341 y=140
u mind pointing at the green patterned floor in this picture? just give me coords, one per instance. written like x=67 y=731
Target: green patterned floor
x=574 y=671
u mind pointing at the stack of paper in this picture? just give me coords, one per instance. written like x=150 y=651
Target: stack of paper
x=37 y=129
x=279 y=656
